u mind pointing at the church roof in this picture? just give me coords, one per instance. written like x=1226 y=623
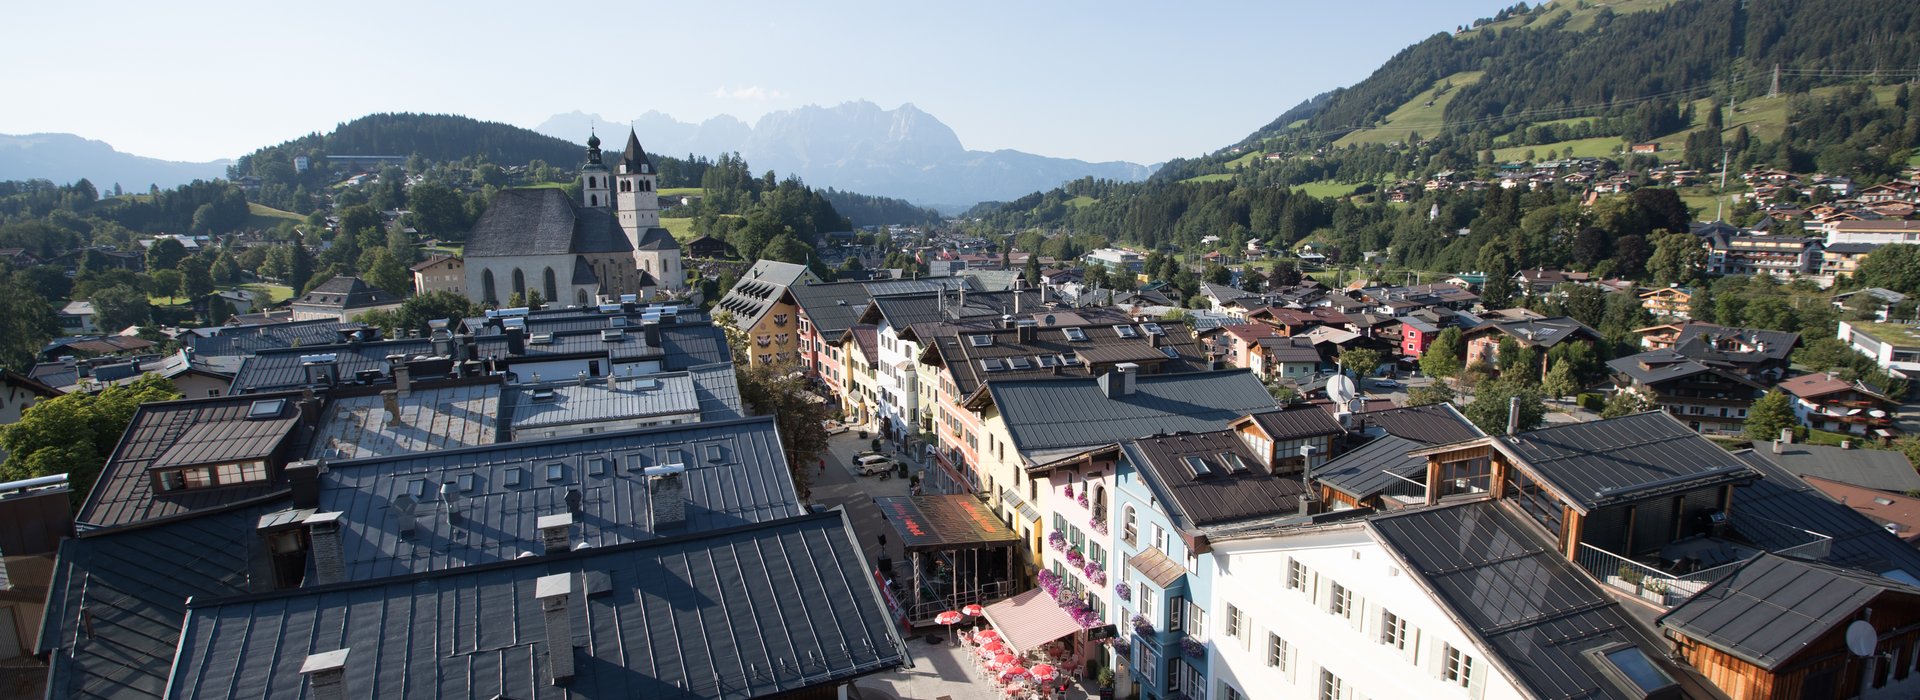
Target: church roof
x=657 y=238
x=543 y=221
x=634 y=160
x=583 y=273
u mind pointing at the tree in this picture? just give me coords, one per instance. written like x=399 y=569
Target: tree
x=1895 y=267
x=196 y=278
x=119 y=306
x=1428 y=395
x=1491 y=405
x=1769 y=415
x=1360 y=360
x=26 y=324
x=1677 y=257
x=1522 y=366
x=389 y=274
x=1444 y=357
x=780 y=389
x=165 y=254
x=1252 y=281
x=1560 y=381
x=1626 y=403
x=74 y=433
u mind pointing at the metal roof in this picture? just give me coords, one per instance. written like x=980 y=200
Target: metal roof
x=832 y=308
x=1783 y=497
x=718 y=389
x=1432 y=424
x=1526 y=602
x=239 y=341
x=1374 y=467
x=944 y=521
x=1044 y=354
x=758 y=288
x=569 y=402
x=1886 y=470
x=1772 y=607
x=1234 y=486
x=1049 y=414
x=756 y=611
x=1295 y=421
x=736 y=474
x=1159 y=568
x=1619 y=459
x=183 y=433
x=115 y=601
x=431 y=418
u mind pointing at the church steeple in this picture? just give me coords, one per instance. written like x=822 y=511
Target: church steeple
x=596 y=184
x=634 y=160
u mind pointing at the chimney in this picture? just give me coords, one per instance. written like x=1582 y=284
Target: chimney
x=553 y=592
x=442 y=342
x=1309 y=500
x=1118 y=381
x=580 y=377
x=516 y=341
x=1513 y=416
x=391 y=399
x=326 y=674
x=651 y=331
x=303 y=479
x=556 y=532
x=1786 y=435
x=403 y=514
x=1024 y=331
x=1016 y=302
x=329 y=562
x=402 y=374
x=666 y=496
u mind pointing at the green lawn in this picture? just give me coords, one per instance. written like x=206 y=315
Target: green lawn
x=1581 y=17
x=453 y=249
x=1326 y=188
x=682 y=229
x=1246 y=158
x=1082 y=201
x=1595 y=147
x=682 y=191
x=1896 y=333
x=276 y=293
x=263 y=216
x=1214 y=177
x=1424 y=113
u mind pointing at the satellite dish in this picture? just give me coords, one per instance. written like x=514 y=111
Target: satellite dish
x=1862 y=638
x=1341 y=389
x=1050 y=320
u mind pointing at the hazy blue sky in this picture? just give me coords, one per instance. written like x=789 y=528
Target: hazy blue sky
x=1101 y=81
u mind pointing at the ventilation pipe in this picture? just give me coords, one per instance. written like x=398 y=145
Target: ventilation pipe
x=1309 y=500
x=556 y=532
x=326 y=674
x=391 y=399
x=1513 y=416
x=1118 y=382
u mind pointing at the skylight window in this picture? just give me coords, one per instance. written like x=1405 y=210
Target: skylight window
x=1126 y=331
x=1238 y=463
x=980 y=341
x=515 y=477
x=1075 y=335
x=266 y=408
x=1198 y=467
x=993 y=364
x=1171 y=353
x=556 y=472
x=417 y=488
x=467 y=482
x=597 y=466
x=1153 y=329
x=1070 y=359
x=1020 y=363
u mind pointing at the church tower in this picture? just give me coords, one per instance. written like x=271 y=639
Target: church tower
x=639 y=203
x=596 y=184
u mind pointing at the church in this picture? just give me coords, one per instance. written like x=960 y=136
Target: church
x=606 y=244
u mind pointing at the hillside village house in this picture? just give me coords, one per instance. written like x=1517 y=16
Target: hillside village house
x=342 y=299
x=1667 y=303
x=440 y=273
x=1483 y=342
x=1826 y=402
x=1895 y=347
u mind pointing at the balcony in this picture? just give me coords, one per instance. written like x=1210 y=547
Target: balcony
x=1686 y=566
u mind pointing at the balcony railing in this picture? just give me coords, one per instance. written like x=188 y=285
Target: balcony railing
x=1668 y=589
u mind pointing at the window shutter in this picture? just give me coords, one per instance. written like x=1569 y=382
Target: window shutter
x=1436 y=659
x=1477 y=681
x=1293 y=663
x=1357 y=613
x=1412 y=647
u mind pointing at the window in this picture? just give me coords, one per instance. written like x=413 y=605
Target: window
x=1276 y=651
x=1236 y=622
x=1340 y=602
x=1459 y=667
x=1331 y=687
x=1296 y=576
x=1128 y=529
x=1184 y=679
x=1159 y=538
x=1393 y=630
x=1146 y=603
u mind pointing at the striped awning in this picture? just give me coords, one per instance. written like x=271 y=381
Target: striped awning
x=1029 y=620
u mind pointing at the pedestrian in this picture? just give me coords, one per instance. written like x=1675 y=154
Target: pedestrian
x=823 y=465
x=883 y=541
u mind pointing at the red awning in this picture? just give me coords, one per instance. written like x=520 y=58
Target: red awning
x=1029 y=620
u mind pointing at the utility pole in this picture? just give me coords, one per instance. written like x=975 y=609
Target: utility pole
x=1774 y=89
x=1720 y=204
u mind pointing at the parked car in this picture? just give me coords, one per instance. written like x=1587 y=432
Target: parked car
x=1386 y=384
x=869 y=465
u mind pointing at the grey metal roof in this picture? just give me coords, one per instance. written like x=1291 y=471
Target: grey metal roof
x=543 y=221
x=1289 y=349
x=1541 y=332
x=431 y=418
x=281 y=369
x=345 y=292
x=1659 y=366
x=657 y=238
x=1372 y=468
x=183 y=433
x=904 y=310
x=1296 y=421
x=115 y=601
x=570 y=402
x=1508 y=586
x=718 y=389
x=1620 y=459
x=1772 y=607
x=1225 y=493
x=240 y=341
x=688 y=345
x=736 y=474
x=758 y=288
x=756 y=611
x=1782 y=497
x=1886 y=470
x=1432 y=424
x=1049 y=414
x=832 y=308
x=1102 y=347
x=927 y=285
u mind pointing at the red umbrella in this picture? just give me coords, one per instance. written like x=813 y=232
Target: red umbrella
x=1004 y=658
x=1044 y=672
x=987 y=634
x=994 y=646
x=972 y=610
x=947 y=618
x=1012 y=673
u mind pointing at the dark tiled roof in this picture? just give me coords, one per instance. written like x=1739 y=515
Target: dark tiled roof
x=657 y=238
x=1290 y=349
x=1886 y=470
x=1778 y=344
x=757 y=611
x=1433 y=424
x=1051 y=414
x=1542 y=332
x=1372 y=468
x=239 y=341
x=183 y=433
x=1660 y=366
x=347 y=293
x=633 y=158
x=583 y=272
x=115 y=602
x=757 y=290
x=1225 y=494
x=1772 y=607
x=736 y=474
x=904 y=310
x=1296 y=421
x=1102 y=347
x=832 y=308
x=1532 y=608
x=1782 y=497
x=543 y=221
x=1624 y=458
x=430 y=262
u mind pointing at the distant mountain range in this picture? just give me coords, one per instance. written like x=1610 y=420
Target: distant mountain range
x=64 y=158
x=904 y=153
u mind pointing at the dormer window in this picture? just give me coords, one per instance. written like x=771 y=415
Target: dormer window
x=202 y=477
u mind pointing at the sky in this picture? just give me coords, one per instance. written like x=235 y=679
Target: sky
x=1134 y=81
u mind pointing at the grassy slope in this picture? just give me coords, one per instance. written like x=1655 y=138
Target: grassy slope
x=682 y=191
x=263 y=216
x=1425 y=113
x=1581 y=18
x=1082 y=201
